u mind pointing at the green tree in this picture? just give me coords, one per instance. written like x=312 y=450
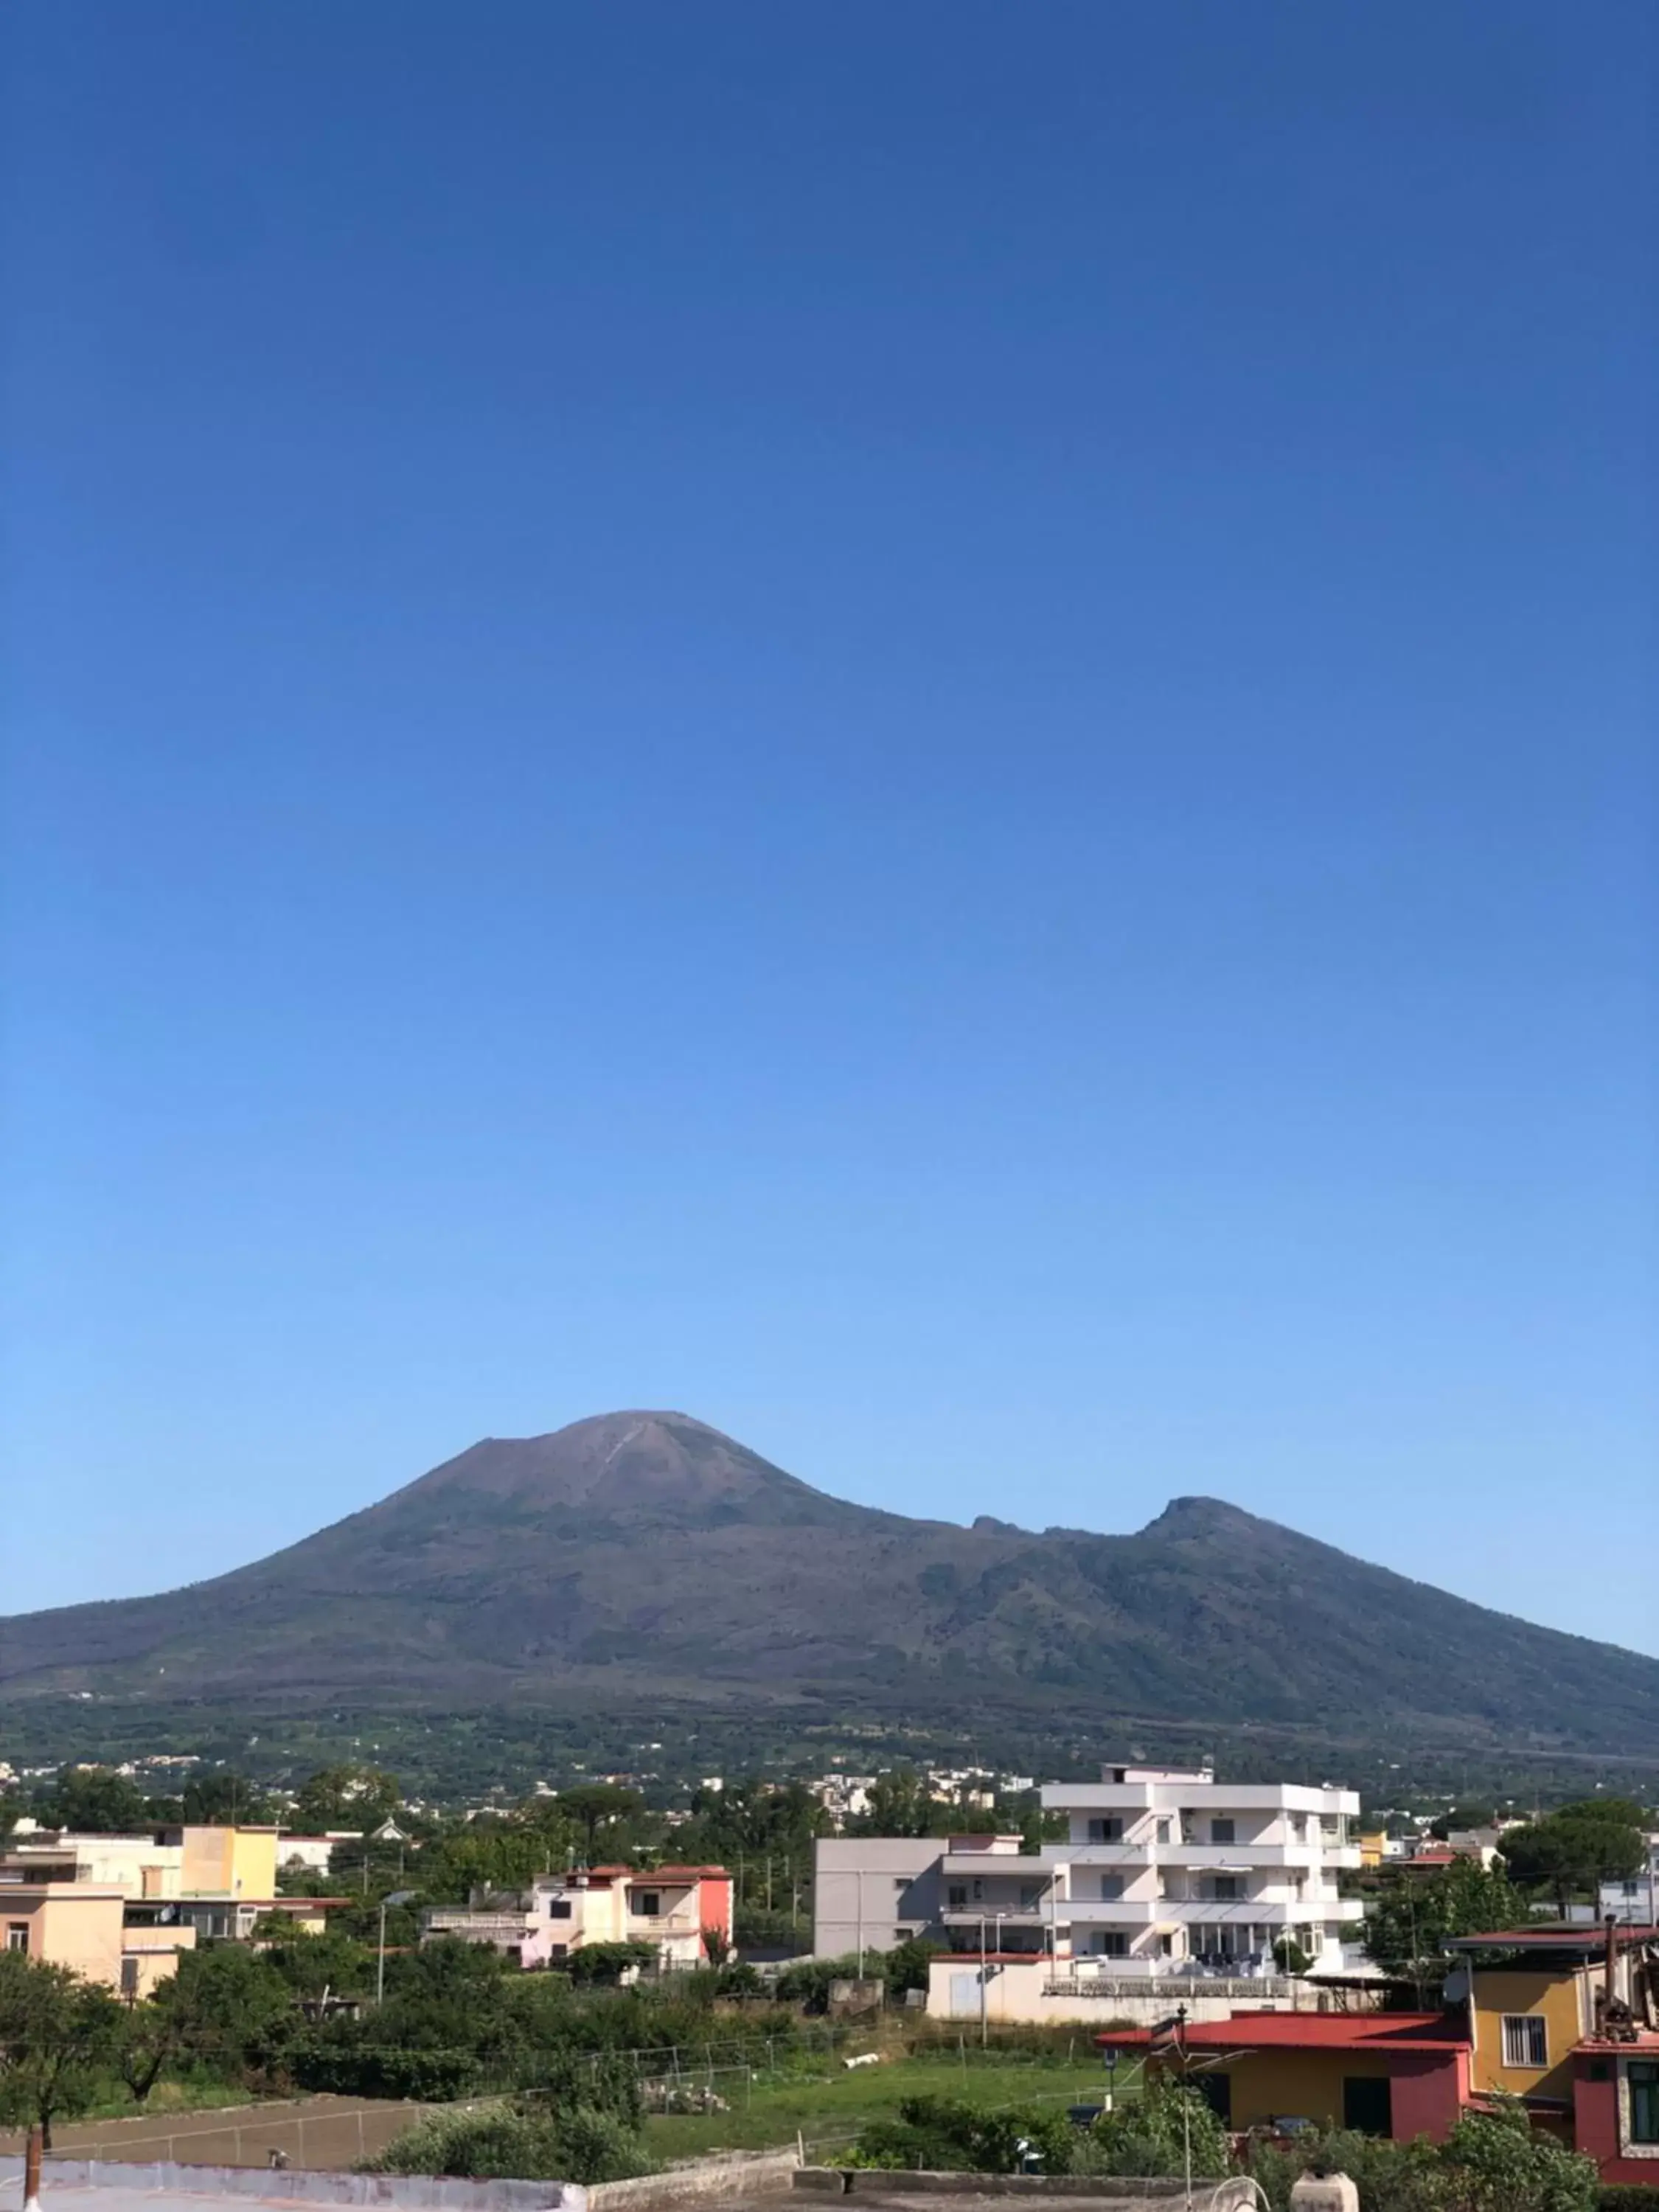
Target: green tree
x=346 y=1796
x=229 y=2008
x=1458 y=1818
x=95 y=1801
x=60 y=2037
x=1413 y=1914
x=221 y=1799
x=907 y=1966
x=608 y=1962
x=596 y=1806
x=315 y=1966
x=149 y=2038
x=900 y=1804
x=1578 y=1847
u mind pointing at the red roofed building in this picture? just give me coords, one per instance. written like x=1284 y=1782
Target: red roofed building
x=1402 y=2075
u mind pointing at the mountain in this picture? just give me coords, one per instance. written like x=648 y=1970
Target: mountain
x=647 y=1553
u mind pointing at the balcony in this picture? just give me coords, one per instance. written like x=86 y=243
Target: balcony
x=998 y=1917
x=1143 y=1854
x=1127 y=1978
x=1207 y=1911
x=477 y=1927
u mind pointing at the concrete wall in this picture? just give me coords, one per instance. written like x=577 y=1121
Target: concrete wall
x=1014 y=1992
x=735 y=2173
x=417 y=2192
x=1121 y=2190
x=75 y=1924
x=865 y=1888
x=152 y=1955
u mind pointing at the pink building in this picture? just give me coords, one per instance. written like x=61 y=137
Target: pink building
x=669 y=1907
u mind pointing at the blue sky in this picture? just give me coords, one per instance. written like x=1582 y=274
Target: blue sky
x=929 y=728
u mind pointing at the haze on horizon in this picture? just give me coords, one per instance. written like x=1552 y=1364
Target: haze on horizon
x=931 y=732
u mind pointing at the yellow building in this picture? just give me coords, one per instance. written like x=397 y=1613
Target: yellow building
x=1527 y=2016
x=226 y=1861
x=1373 y=1850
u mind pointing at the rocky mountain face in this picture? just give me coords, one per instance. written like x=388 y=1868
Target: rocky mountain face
x=647 y=1553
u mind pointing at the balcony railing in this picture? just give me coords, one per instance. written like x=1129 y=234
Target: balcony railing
x=1119 y=1983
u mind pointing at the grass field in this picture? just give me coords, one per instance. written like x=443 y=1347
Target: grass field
x=766 y=2113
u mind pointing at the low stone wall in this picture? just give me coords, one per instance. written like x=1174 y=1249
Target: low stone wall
x=1123 y=2190
x=410 y=2192
x=730 y=2173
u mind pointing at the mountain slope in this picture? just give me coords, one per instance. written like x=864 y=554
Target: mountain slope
x=646 y=1551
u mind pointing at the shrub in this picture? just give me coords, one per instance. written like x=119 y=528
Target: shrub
x=1628 y=2196
x=945 y=2135
x=1155 y=2134
x=578 y=2142
x=1489 y=2163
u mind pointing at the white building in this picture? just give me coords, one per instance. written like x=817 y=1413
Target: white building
x=1164 y=1874
x=1166 y=1870
x=1637 y=1898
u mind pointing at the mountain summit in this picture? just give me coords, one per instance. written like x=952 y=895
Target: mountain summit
x=645 y=1554
x=648 y=1467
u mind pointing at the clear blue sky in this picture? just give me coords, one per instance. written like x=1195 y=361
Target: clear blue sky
x=928 y=727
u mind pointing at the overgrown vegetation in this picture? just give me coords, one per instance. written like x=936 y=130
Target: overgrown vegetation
x=1489 y=2163
x=584 y=2123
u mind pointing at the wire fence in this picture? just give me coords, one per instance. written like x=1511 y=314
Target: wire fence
x=721 y=2074
x=323 y=2134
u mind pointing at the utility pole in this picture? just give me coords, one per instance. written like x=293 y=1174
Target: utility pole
x=396 y=1897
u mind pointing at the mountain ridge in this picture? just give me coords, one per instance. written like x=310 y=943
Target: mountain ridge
x=646 y=1550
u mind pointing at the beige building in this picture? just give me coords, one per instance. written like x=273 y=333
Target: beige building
x=118 y=1908
x=83 y=1925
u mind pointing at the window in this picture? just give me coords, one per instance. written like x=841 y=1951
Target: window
x=1111 y=1943
x=1164 y=1831
x=1224 y=1889
x=649 y=1903
x=1106 y=1832
x=955 y=1897
x=129 y=1977
x=1166 y=1947
x=1221 y=1832
x=559 y=1909
x=1111 y=1887
x=17 y=1935
x=1643 y=2077
x=1030 y=1896
x=1525 y=2042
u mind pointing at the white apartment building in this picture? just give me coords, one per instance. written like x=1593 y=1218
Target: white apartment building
x=1166 y=1870
x=1164 y=1873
